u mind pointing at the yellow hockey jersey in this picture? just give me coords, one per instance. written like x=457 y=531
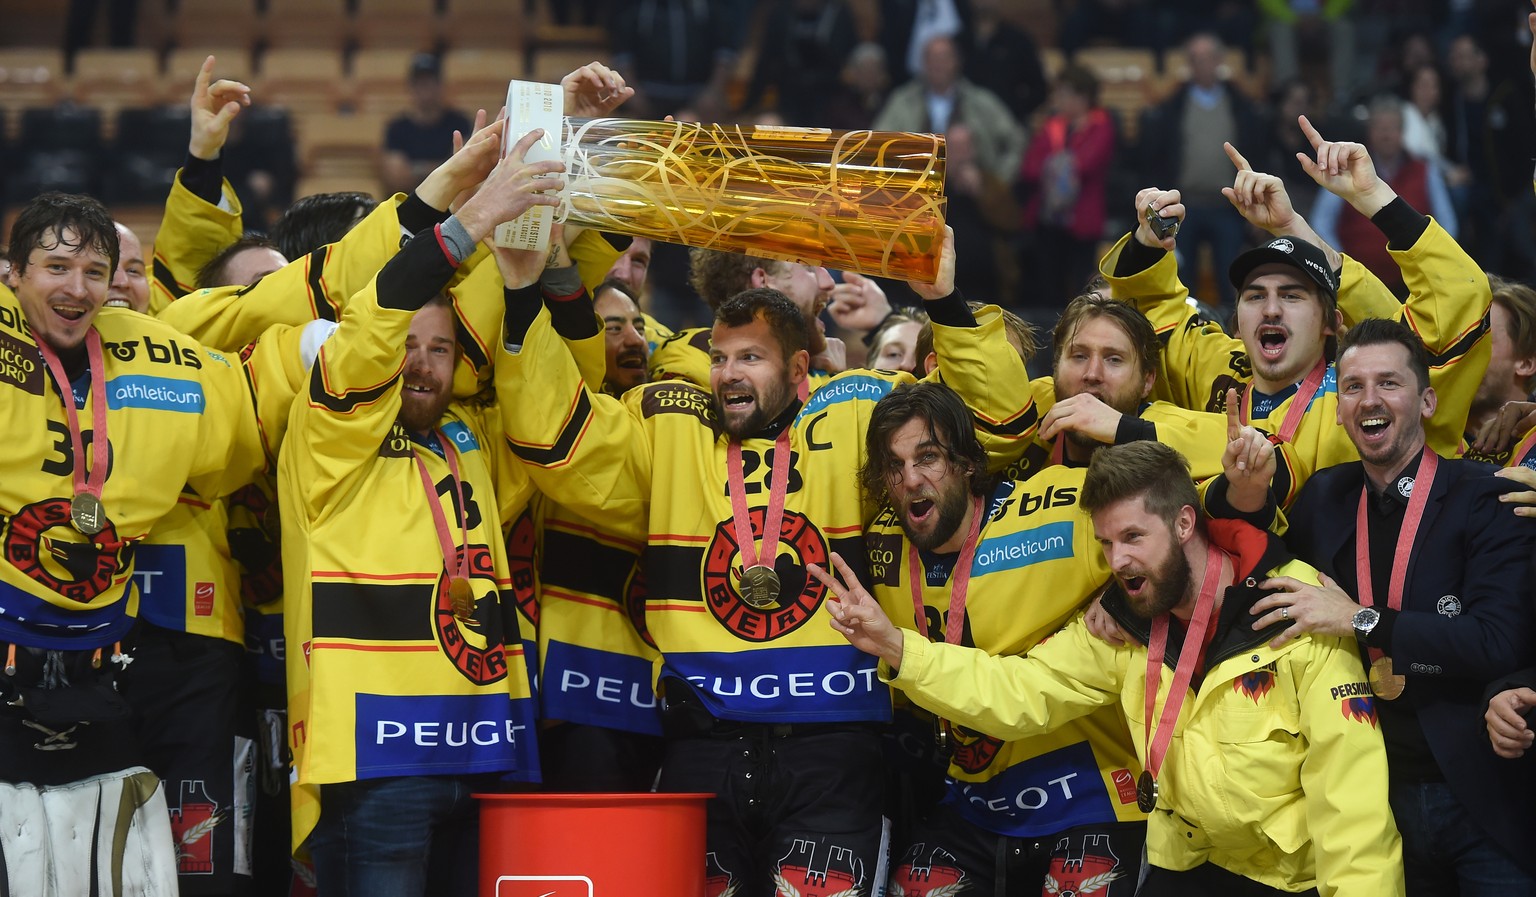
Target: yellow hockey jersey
x=1036 y=563
x=186 y=579
x=651 y=469
x=383 y=678
x=1276 y=770
x=177 y=414
x=191 y=234
x=1447 y=307
x=1521 y=454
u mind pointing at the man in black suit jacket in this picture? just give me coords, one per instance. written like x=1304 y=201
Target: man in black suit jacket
x=1445 y=607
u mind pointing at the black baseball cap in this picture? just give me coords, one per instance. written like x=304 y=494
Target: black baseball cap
x=1297 y=253
x=426 y=65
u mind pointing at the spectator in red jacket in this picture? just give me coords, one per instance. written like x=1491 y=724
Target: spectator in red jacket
x=1064 y=175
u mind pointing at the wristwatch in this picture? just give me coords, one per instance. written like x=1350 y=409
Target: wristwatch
x=1365 y=620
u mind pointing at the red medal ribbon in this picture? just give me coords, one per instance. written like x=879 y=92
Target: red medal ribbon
x=86 y=482
x=1423 y=481
x=1189 y=657
x=1517 y=454
x=773 y=520
x=1058 y=451
x=439 y=519
x=1299 y=402
x=955 y=619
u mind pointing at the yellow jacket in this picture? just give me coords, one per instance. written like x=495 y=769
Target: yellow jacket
x=1276 y=771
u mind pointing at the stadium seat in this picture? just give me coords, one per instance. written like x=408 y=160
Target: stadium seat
x=379 y=82
x=304 y=80
x=28 y=78
x=550 y=64
x=478 y=78
x=181 y=66
x=484 y=24
x=214 y=23
x=314 y=24
x=396 y=24
x=340 y=145
x=112 y=79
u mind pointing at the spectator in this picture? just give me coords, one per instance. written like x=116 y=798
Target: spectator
x=1423 y=126
x=419 y=139
x=941 y=97
x=1004 y=59
x=1065 y=172
x=906 y=27
x=1294 y=23
x=675 y=54
x=1489 y=126
x=1416 y=180
x=1181 y=147
x=983 y=214
x=1288 y=102
x=803 y=48
x=863 y=86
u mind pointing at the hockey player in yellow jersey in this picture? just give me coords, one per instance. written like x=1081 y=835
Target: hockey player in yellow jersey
x=1264 y=772
x=1499 y=426
x=733 y=491
x=999 y=565
x=407 y=685
x=1285 y=323
x=1105 y=367
x=145 y=412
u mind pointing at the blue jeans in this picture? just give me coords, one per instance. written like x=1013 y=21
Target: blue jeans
x=397 y=837
x=1444 y=850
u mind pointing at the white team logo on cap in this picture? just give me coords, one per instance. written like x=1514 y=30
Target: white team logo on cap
x=1284 y=245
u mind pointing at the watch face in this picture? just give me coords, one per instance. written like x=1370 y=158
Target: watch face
x=1366 y=618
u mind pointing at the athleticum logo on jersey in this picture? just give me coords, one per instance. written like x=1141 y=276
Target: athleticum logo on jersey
x=799 y=594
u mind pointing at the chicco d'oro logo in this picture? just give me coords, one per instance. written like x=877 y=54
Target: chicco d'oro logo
x=799 y=594
x=79 y=571
x=474 y=646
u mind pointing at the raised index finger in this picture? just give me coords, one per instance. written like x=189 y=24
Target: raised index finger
x=204 y=78
x=1310 y=132
x=1236 y=157
x=1234 y=422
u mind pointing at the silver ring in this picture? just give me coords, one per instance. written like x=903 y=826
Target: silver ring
x=1285 y=613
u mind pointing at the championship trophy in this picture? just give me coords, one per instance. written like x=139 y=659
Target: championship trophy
x=865 y=201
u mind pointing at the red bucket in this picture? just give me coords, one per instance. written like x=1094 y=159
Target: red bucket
x=592 y=845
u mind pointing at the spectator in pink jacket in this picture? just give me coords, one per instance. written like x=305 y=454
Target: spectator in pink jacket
x=1063 y=178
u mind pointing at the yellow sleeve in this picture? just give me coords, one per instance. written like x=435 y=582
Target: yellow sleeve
x=1362 y=295
x=192 y=232
x=1448 y=300
x=350 y=403
x=1012 y=697
x=316 y=286
x=1199 y=360
x=1200 y=436
x=229 y=452
x=980 y=365
x=587 y=451
x=278 y=364
x=1344 y=776
x=656 y=332
x=478 y=295
x=684 y=355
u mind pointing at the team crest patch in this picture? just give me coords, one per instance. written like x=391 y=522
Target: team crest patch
x=1361 y=710
x=1283 y=245
x=1448 y=606
x=812 y=869
x=1255 y=684
x=1405 y=487
x=1090 y=867
x=973 y=750
x=927 y=872
x=800 y=543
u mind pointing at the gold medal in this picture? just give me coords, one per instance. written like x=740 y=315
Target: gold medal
x=1146 y=792
x=941 y=737
x=462 y=597
x=1384 y=685
x=87 y=514
x=760 y=586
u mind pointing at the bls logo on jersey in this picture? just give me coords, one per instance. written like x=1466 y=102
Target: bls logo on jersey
x=1090 y=868
x=192 y=825
x=167 y=352
x=1029 y=502
x=799 y=594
